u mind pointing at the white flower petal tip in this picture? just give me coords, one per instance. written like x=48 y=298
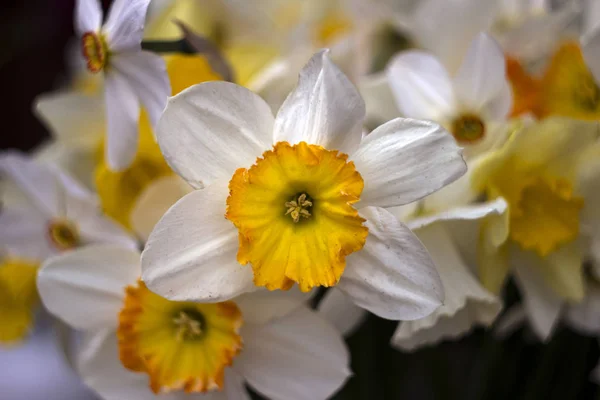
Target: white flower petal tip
x=405 y=160
x=191 y=253
x=209 y=130
x=421 y=85
x=324 y=109
x=393 y=276
x=467 y=304
x=482 y=75
x=85 y=288
x=466 y=213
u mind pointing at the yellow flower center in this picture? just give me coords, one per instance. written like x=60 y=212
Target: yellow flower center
x=568 y=87
x=293 y=210
x=95 y=51
x=18 y=298
x=468 y=128
x=331 y=27
x=63 y=234
x=180 y=345
x=545 y=215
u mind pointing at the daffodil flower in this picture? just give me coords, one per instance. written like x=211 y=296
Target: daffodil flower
x=138 y=345
x=540 y=173
x=286 y=194
x=473 y=104
x=62 y=215
x=132 y=76
x=454 y=239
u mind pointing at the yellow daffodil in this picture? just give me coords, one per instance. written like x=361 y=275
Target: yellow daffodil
x=18 y=298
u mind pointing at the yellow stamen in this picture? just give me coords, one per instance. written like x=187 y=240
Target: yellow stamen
x=468 y=128
x=299 y=208
x=95 y=51
x=180 y=345
x=63 y=234
x=312 y=252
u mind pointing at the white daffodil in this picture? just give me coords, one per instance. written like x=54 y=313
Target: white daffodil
x=291 y=214
x=473 y=104
x=456 y=240
x=62 y=215
x=138 y=345
x=131 y=75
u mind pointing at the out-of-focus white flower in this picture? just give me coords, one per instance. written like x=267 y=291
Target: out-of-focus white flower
x=455 y=239
x=472 y=105
x=290 y=215
x=62 y=214
x=138 y=345
x=131 y=75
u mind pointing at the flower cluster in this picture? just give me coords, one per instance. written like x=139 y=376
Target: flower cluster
x=232 y=186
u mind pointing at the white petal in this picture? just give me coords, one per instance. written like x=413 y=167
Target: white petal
x=44 y=184
x=447 y=27
x=95 y=228
x=262 y=306
x=393 y=276
x=154 y=202
x=73 y=118
x=299 y=357
x=499 y=107
x=421 y=86
x=482 y=75
x=147 y=74
x=101 y=369
x=124 y=26
x=211 y=129
x=88 y=16
x=122 y=115
x=405 y=160
x=465 y=213
x=341 y=311
x=85 y=287
x=466 y=305
x=191 y=254
x=542 y=305
x=234 y=388
x=584 y=316
x=379 y=99
x=324 y=109
x=24 y=233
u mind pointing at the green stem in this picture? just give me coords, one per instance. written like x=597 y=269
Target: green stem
x=168 y=46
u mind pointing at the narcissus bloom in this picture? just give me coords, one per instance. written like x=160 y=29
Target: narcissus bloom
x=131 y=75
x=138 y=345
x=472 y=105
x=297 y=197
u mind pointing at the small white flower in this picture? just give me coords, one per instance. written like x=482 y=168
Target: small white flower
x=137 y=345
x=60 y=215
x=131 y=75
x=473 y=104
x=292 y=212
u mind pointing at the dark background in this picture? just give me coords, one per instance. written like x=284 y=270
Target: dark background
x=35 y=34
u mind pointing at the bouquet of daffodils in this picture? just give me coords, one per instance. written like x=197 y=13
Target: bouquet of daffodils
x=232 y=186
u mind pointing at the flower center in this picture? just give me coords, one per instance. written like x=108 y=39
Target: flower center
x=545 y=215
x=299 y=207
x=63 y=234
x=18 y=298
x=95 y=51
x=468 y=128
x=189 y=324
x=317 y=188
x=180 y=345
